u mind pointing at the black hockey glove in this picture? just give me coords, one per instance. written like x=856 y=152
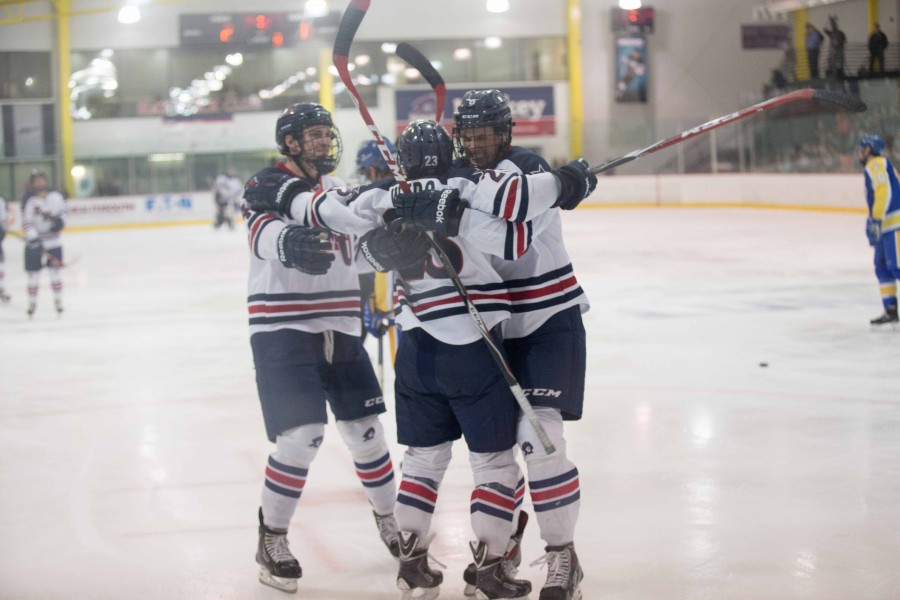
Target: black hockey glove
x=273 y=190
x=431 y=210
x=393 y=250
x=576 y=183
x=57 y=223
x=306 y=249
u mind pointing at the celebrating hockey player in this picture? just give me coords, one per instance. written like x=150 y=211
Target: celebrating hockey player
x=883 y=199
x=304 y=326
x=227 y=190
x=43 y=217
x=544 y=338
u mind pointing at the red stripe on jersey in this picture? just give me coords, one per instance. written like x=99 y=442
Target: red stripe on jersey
x=510 y=202
x=557 y=492
x=256 y=225
x=457 y=300
x=553 y=288
x=279 y=308
x=520 y=243
x=492 y=497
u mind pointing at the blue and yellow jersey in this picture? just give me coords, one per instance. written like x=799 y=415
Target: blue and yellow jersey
x=883 y=192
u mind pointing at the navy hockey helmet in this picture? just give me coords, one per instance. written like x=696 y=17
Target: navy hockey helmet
x=297 y=117
x=875 y=143
x=482 y=108
x=424 y=149
x=370 y=156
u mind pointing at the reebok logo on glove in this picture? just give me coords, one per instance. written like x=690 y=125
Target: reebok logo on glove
x=364 y=248
x=442 y=205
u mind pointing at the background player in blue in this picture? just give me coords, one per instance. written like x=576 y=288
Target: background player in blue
x=304 y=325
x=883 y=199
x=544 y=338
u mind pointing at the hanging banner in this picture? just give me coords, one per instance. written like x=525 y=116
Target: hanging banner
x=631 y=69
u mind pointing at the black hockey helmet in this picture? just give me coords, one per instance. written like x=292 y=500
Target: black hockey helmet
x=424 y=149
x=294 y=119
x=483 y=108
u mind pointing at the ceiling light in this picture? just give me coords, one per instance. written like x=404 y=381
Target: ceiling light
x=629 y=4
x=362 y=60
x=493 y=42
x=497 y=6
x=315 y=9
x=411 y=73
x=462 y=54
x=388 y=48
x=129 y=14
x=235 y=59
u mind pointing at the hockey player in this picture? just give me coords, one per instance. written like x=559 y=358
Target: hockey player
x=883 y=199
x=4 y=226
x=43 y=217
x=544 y=338
x=227 y=192
x=370 y=164
x=304 y=334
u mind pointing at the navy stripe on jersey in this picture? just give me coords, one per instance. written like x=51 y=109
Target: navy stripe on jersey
x=518 y=240
x=555 y=288
x=539 y=279
x=446 y=302
x=511 y=200
x=268 y=309
x=449 y=290
x=256 y=224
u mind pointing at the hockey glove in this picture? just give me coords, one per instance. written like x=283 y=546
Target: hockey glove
x=431 y=210
x=273 y=190
x=393 y=250
x=576 y=182
x=56 y=224
x=306 y=249
x=377 y=323
x=873 y=230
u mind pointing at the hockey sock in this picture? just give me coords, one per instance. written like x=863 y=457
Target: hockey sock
x=552 y=479
x=286 y=473
x=56 y=284
x=889 y=295
x=33 y=278
x=493 y=501
x=368 y=447
x=423 y=469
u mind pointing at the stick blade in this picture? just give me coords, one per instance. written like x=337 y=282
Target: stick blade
x=840 y=99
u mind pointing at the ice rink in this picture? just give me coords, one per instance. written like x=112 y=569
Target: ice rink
x=132 y=447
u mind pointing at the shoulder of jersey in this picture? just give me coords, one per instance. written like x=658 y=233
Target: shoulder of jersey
x=527 y=160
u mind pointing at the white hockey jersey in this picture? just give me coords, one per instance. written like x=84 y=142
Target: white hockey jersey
x=38 y=216
x=283 y=298
x=227 y=189
x=540 y=282
x=4 y=215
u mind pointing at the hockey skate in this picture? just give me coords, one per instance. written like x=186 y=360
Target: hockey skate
x=513 y=556
x=59 y=309
x=888 y=318
x=30 y=311
x=493 y=579
x=277 y=566
x=387 y=529
x=416 y=579
x=564 y=573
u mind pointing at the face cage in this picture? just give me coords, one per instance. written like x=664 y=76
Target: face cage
x=323 y=164
x=500 y=148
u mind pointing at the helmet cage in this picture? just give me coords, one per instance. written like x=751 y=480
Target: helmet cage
x=424 y=149
x=483 y=108
x=294 y=121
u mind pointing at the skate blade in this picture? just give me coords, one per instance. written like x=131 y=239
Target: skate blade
x=469 y=591
x=884 y=326
x=284 y=584
x=417 y=593
x=482 y=596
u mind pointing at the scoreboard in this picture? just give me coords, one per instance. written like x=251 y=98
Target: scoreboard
x=261 y=29
x=637 y=20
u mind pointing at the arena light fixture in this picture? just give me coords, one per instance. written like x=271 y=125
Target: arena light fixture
x=462 y=54
x=129 y=15
x=497 y=6
x=388 y=48
x=629 y=4
x=314 y=9
x=493 y=42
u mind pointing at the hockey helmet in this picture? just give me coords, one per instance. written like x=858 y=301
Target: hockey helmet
x=483 y=108
x=370 y=156
x=873 y=142
x=297 y=117
x=425 y=149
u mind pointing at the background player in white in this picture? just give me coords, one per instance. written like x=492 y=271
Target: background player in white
x=43 y=217
x=227 y=192
x=883 y=200
x=304 y=326
x=545 y=337
x=4 y=226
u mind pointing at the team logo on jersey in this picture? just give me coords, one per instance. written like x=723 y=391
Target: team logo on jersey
x=527 y=449
x=369 y=435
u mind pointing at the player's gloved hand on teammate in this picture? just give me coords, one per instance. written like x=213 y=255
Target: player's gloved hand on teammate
x=273 y=189
x=307 y=249
x=376 y=323
x=439 y=211
x=57 y=223
x=576 y=182
x=873 y=230
x=394 y=249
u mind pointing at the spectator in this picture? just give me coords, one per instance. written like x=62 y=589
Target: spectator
x=814 y=39
x=837 y=39
x=878 y=43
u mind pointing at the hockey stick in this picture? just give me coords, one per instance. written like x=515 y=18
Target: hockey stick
x=56 y=262
x=350 y=22
x=417 y=60
x=825 y=97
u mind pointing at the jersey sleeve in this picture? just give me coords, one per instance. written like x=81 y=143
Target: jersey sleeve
x=329 y=208
x=262 y=232
x=870 y=191
x=511 y=196
x=508 y=240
